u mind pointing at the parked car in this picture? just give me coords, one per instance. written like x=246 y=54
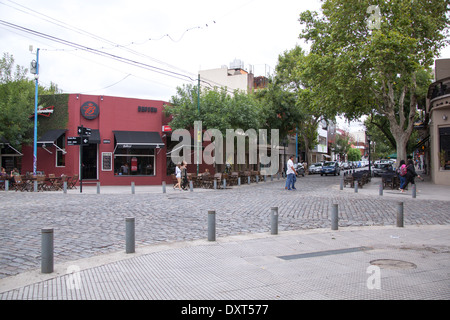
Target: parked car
x=380 y=168
x=330 y=167
x=345 y=166
x=315 y=167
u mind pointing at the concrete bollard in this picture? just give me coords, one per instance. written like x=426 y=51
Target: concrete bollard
x=356 y=186
x=239 y=181
x=98 y=187
x=191 y=186
x=132 y=188
x=224 y=183
x=400 y=215
x=211 y=225
x=341 y=187
x=47 y=250
x=129 y=235
x=274 y=220
x=164 y=186
x=215 y=184
x=65 y=187
x=35 y=186
x=413 y=189
x=334 y=217
x=6 y=185
x=380 y=189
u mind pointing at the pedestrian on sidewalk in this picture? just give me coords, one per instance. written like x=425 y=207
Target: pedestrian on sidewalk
x=402 y=174
x=410 y=174
x=290 y=182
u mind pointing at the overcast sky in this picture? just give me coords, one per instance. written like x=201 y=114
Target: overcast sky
x=174 y=37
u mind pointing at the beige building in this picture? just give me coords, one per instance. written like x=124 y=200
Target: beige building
x=438 y=108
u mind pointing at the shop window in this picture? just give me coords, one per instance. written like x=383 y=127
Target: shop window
x=444 y=148
x=134 y=161
x=60 y=154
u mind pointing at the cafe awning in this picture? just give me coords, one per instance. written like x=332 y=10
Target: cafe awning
x=138 y=139
x=49 y=138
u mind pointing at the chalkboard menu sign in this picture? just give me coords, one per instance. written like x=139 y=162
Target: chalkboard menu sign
x=106 y=161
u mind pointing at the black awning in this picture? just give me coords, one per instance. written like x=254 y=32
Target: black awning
x=138 y=139
x=95 y=136
x=50 y=137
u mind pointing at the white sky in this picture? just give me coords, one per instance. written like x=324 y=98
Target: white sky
x=256 y=32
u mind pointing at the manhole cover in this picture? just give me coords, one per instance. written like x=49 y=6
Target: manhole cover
x=393 y=264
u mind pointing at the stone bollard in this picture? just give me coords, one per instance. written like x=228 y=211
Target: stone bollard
x=274 y=220
x=400 y=215
x=47 y=250
x=211 y=225
x=334 y=217
x=129 y=235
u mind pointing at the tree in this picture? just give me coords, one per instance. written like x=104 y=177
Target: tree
x=365 y=67
x=17 y=95
x=354 y=154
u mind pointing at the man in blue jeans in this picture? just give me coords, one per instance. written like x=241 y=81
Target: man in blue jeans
x=290 y=182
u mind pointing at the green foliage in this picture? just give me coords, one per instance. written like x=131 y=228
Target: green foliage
x=354 y=154
x=218 y=109
x=16 y=102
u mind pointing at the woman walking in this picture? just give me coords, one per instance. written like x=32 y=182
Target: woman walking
x=410 y=174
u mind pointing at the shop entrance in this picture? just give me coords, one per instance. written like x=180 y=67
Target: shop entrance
x=90 y=161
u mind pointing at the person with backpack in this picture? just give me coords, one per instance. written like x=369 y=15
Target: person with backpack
x=410 y=174
x=402 y=174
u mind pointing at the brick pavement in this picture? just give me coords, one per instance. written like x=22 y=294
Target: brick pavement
x=90 y=224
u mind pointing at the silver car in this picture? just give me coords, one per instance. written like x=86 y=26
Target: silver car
x=315 y=168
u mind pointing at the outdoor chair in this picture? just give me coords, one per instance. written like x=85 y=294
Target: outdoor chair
x=19 y=184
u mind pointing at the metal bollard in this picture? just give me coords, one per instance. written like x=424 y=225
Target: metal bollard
x=341 y=187
x=356 y=186
x=334 y=217
x=132 y=188
x=164 y=186
x=380 y=189
x=215 y=184
x=271 y=177
x=239 y=181
x=413 y=189
x=274 y=220
x=224 y=183
x=6 y=185
x=98 y=187
x=35 y=186
x=211 y=225
x=248 y=180
x=129 y=235
x=191 y=186
x=65 y=186
x=400 y=215
x=47 y=250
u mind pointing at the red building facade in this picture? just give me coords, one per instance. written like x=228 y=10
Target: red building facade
x=127 y=142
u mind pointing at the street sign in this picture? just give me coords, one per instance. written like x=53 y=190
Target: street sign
x=76 y=141
x=82 y=131
x=73 y=141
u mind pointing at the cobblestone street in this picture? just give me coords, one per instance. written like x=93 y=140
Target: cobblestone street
x=91 y=224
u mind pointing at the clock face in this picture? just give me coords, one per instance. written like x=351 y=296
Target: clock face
x=90 y=110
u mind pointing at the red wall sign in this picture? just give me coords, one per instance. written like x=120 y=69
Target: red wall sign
x=90 y=110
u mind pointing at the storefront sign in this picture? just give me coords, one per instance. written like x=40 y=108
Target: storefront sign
x=147 y=109
x=166 y=129
x=90 y=110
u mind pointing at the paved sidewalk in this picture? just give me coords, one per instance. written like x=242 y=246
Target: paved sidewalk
x=413 y=263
